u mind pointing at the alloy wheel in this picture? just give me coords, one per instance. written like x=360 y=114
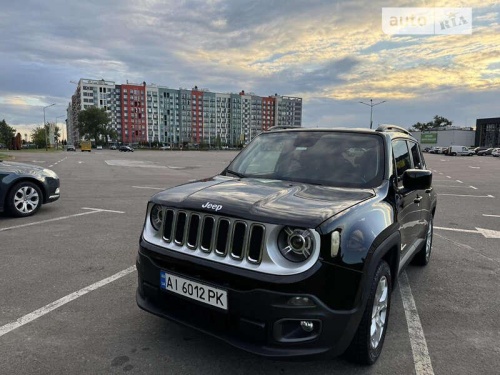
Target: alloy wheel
x=379 y=312
x=26 y=199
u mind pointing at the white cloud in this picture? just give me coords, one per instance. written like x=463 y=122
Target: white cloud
x=325 y=51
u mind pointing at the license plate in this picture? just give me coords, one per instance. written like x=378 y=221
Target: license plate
x=199 y=292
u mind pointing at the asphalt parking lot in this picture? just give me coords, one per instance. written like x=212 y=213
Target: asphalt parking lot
x=68 y=279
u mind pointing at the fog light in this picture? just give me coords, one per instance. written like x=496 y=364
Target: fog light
x=301 y=301
x=295 y=330
x=307 y=325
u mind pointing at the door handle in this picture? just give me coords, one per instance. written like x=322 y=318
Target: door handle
x=417 y=199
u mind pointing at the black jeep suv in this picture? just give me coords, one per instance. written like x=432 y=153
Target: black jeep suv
x=295 y=248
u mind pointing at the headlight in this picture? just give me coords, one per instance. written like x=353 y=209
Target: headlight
x=156 y=216
x=296 y=244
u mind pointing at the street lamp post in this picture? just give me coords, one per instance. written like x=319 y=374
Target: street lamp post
x=371 y=109
x=44 y=124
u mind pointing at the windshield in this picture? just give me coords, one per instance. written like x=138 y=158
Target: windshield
x=340 y=159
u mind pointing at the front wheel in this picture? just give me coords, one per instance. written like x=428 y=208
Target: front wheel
x=367 y=343
x=24 y=199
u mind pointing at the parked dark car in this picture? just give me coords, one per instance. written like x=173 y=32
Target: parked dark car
x=484 y=151
x=24 y=188
x=126 y=149
x=295 y=248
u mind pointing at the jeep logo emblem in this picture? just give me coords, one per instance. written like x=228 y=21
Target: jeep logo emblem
x=211 y=206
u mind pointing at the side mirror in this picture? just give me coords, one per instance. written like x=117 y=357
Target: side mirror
x=417 y=179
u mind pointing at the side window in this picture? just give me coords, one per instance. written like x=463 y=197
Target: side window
x=401 y=158
x=415 y=154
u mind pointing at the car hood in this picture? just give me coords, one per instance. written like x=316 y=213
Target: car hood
x=20 y=168
x=270 y=201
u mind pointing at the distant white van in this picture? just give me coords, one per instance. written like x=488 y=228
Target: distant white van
x=455 y=150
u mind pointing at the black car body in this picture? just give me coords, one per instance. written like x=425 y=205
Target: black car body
x=24 y=188
x=484 y=151
x=126 y=149
x=295 y=246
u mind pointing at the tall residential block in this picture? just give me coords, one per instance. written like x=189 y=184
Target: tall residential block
x=142 y=113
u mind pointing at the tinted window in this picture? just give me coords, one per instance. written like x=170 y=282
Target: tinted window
x=326 y=158
x=401 y=157
x=415 y=154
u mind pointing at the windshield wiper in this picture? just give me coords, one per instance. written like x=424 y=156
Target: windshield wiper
x=240 y=175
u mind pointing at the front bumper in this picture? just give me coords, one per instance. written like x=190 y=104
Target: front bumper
x=52 y=190
x=259 y=318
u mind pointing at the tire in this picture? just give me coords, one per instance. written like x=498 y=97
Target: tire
x=366 y=346
x=423 y=256
x=24 y=199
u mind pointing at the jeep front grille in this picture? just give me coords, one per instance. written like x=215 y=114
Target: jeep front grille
x=223 y=236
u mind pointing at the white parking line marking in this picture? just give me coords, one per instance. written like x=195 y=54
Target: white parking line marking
x=62 y=301
x=486 y=233
x=456 y=230
x=460 y=182
x=474 y=196
x=470 y=166
x=489 y=233
x=47 y=221
x=102 y=210
x=421 y=358
x=455 y=186
x=94 y=210
x=491 y=215
x=148 y=187
x=472 y=187
x=448 y=176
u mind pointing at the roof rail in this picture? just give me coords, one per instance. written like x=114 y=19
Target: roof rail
x=392 y=128
x=283 y=127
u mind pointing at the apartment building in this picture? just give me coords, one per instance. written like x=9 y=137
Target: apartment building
x=152 y=113
x=89 y=93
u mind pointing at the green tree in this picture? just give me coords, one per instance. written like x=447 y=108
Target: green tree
x=57 y=134
x=93 y=123
x=438 y=122
x=6 y=133
x=441 y=122
x=110 y=133
x=38 y=137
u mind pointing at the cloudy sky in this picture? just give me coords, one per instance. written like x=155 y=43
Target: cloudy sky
x=333 y=54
